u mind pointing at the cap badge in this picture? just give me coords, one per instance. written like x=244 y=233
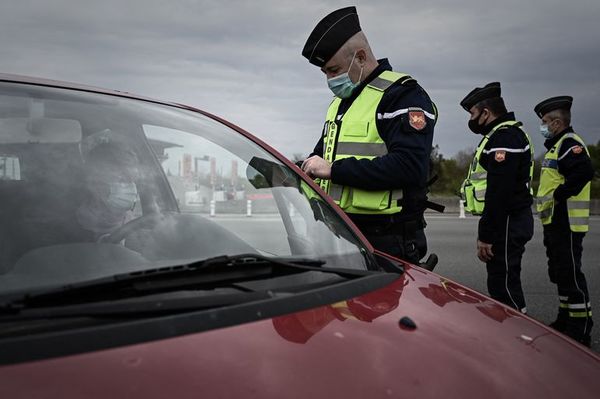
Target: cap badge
x=416 y=120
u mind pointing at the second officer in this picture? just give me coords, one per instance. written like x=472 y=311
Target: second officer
x=498 y=188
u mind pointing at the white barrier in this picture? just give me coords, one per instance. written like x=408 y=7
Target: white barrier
x=248 y=208
x=461 y=206
x=212 y=208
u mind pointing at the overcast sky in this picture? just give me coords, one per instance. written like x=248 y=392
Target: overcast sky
x=241 y=59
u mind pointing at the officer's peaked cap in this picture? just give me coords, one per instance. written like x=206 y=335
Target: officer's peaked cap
x=478 y=94
x=330 y=34
x=553 y=103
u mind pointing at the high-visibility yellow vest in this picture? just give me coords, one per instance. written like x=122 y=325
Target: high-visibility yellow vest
x=474 y=186
x=578 y=206
x=357 y=136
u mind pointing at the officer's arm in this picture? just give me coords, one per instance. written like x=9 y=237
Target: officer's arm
x=318 y=150
x=502 y=166
x=409 y=147
x=576 y=166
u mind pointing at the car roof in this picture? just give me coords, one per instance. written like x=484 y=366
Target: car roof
x=13 y=78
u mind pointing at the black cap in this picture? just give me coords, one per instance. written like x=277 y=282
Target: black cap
x=478 y=94
x=560 y=102
x=330 y=34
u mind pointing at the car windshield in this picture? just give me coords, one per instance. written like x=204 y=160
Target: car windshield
x=93 y=185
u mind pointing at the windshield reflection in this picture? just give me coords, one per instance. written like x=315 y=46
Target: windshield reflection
x=93 y=185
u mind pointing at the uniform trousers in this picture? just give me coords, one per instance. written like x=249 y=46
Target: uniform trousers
x=410 y=247
x=504 y=269
x=564 y=249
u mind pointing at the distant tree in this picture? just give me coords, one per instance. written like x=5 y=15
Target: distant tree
x=595 y=156
x=450 y=172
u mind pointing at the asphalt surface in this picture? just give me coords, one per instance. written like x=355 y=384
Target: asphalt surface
x=453 y=240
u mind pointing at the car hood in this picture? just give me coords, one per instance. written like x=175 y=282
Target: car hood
x=421 y=336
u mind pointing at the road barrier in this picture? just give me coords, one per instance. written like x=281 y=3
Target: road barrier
x=251 y=208
x=454 y=207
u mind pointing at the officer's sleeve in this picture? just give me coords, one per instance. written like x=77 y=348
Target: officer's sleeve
x=318 y=150
x=408 y=144
x=576 y=167
x=505 y=151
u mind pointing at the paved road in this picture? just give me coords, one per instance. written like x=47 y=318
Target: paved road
x=453 y=239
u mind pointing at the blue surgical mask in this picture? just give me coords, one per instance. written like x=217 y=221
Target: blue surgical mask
x=122 y=196
x=341 y=85
x=545 y=132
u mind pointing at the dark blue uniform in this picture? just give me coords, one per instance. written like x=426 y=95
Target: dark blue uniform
x=507 y=221
x=563 y=246
x=406 y=167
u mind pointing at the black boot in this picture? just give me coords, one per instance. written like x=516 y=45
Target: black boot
x=558 y=325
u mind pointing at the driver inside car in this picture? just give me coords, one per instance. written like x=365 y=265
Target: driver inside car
x=110 y=191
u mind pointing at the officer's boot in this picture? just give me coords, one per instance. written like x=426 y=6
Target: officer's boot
x=580 y=330
x=560 y=324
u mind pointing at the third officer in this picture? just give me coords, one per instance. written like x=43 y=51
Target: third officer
x=564 y=207
x=498 y=188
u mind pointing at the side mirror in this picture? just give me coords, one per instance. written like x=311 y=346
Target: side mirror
x=262 y=173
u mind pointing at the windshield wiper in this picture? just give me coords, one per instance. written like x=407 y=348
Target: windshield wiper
x=144 y=306
x=205 y=274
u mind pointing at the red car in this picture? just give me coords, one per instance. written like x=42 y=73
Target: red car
x=149 y=249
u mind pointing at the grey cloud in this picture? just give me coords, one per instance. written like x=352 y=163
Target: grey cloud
x=241 y=60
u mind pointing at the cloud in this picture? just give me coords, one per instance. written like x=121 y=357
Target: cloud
x=241 y=60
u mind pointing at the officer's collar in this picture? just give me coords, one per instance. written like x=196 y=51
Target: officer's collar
x=509 y=116
x=549 y=143
x=384 y=65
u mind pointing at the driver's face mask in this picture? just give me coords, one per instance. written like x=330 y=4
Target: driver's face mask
x=122 y=196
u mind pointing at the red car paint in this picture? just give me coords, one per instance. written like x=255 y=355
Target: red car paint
x=464 y=345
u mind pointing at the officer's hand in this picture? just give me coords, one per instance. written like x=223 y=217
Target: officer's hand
x=484 y=251
x=316 y=166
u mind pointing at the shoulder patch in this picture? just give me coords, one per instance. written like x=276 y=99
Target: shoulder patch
x=416 y=119
x=577 y=149
x=500 y=156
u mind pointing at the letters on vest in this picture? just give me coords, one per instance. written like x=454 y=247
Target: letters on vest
x=578 y=206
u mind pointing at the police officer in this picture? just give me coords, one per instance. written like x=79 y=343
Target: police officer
x=563 y=203
x=498 y=188
x=373 y=155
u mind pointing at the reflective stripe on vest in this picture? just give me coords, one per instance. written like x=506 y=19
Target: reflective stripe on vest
x=355 y=135
x=578 y=206
x=362 y=149
x=473 y=188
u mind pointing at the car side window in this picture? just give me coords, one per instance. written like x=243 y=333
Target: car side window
x=210 y=180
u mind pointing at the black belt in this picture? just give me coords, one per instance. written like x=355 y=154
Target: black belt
x=407 y=228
